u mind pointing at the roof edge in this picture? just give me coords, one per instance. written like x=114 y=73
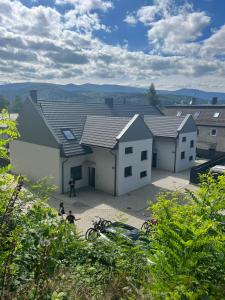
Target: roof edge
x=127 y=126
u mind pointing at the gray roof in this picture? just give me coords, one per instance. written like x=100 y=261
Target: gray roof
x=72 y=115
x=164 y=126
x=102 y=131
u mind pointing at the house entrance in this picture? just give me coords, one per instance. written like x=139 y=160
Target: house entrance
x=91 y=176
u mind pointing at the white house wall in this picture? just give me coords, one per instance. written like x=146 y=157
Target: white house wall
x=35 y=161
x=128 y=184
x=182 y=164
x=165 y=149
x=104 y=169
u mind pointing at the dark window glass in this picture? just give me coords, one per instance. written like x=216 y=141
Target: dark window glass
x=144 y=155
x=76 y=173
x=128 y=150
x=213 y=132
x=190 y=158
x=184 y=139
x=183 y=155
x=143 y=174
x=127 y=171
x=197 y=131
x=192 y=144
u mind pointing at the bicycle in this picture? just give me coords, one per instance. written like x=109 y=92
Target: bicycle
x=98 y=226
x=148 y=225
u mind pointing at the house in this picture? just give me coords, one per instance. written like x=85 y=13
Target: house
x=210 y=120
x=105 y=145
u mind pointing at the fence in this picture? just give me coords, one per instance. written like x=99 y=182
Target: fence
x=204 y=168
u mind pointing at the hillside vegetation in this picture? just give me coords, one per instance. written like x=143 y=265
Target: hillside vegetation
x=43 y=257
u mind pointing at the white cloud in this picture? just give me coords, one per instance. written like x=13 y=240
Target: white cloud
x=83 y=6
x=129 y=19
x=215 y=45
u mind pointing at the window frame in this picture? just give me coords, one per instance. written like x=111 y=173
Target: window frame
x=211 y=132
x=192 y=143
x=179 y=113
x=81 y=173
x=216 y=114
x=70 y=132
x=184 y=139
x=196 y=114
x=146 y=156
x=182 y=155
x=143 y=172
x=125 y=170
x=191 y=158
x=129 y=152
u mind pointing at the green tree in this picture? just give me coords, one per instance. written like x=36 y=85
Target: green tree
x=189 y=242
x=17 y=104
x=152 y=97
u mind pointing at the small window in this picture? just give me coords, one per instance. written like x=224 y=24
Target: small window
x=179 y=113
x=197 y=131
x=128 y=171
x=143 y=174
x=184 y=139
x=128 y=150
x=192 y=143
x=144 y=155
x=76 y=173
x=190 y=158
x=213 y=132
x=182 y=155
x=196 y=114
x=216 y=115
x=68 y=134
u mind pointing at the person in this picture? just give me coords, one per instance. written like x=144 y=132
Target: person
x=72 y=187
x=70 y=218
x=61 y=209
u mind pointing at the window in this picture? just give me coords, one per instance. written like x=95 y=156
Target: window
x=197 y=131
x=144 y=155
x=143 y=174
x=76 y=173
x=179 y=113
x=128 y=171
x=216 y=115
x=182 y=155
x=196 y=114
x=184 y=139
x=68 y=134
x=213 y=132
x=128 y=150
x=190 y=158
x=192 y=143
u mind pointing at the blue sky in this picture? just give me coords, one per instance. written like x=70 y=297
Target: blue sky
x=173 y=43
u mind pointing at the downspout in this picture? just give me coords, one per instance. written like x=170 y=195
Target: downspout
x=175 y=158
x=63 y=163
x=115 y=172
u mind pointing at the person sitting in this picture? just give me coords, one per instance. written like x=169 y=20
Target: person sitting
x=71 y=218
x=61 y=209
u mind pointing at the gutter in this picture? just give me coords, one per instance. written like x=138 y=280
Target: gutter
x=115 y=172
x=175 y=157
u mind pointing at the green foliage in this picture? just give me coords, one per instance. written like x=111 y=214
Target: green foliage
x=189 y=244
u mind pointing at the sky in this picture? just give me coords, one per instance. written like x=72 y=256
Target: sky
x=173 y=43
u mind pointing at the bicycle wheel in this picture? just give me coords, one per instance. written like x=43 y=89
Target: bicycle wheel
x=91 y=234
x=145 y=226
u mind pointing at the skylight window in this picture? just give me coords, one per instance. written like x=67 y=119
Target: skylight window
x=68 y=134
x=216 y=115
x=196 y=114
x=179 y=113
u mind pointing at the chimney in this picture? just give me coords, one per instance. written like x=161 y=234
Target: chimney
x=33 y=95
x=214 y=100
x=109 y=102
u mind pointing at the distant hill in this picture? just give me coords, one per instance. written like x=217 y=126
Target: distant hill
x=96 y=93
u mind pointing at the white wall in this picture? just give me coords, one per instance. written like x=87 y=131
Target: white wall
x=35 y=161
x=182 y=164
x=128 y=184
x=104 y=169
x=75 y=162
x=165 y=149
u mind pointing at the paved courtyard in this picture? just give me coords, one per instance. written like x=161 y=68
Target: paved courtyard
x=132 y=207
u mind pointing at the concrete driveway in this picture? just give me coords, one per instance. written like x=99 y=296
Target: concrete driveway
x=131 y=208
